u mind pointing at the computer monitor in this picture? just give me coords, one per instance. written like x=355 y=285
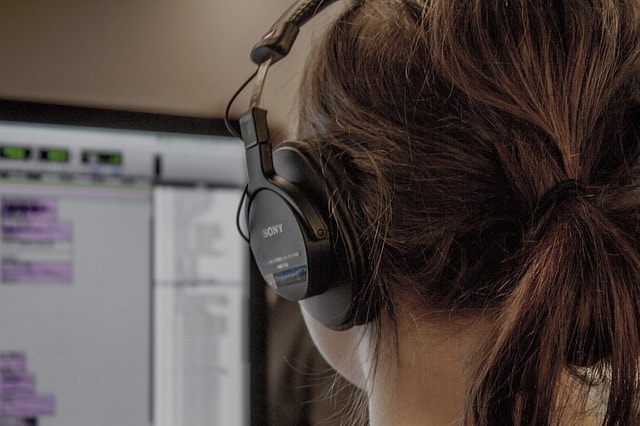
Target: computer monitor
x=125 y=294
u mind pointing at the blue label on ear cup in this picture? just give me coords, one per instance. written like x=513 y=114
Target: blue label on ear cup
x=291 y=276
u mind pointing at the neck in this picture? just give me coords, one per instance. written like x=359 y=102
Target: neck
x=424 y=380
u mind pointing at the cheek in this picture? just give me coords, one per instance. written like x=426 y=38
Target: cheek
x=346 y=351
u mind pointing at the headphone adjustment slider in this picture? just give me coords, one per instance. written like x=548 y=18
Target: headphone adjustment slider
x=254 y=128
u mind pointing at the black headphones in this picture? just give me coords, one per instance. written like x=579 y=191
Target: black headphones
x=298 y=228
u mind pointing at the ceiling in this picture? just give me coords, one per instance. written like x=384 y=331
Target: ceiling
x=181 y=57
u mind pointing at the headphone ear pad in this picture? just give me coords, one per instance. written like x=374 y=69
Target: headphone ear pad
x=334 y=306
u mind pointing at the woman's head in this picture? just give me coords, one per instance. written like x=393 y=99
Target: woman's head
x=486 y=151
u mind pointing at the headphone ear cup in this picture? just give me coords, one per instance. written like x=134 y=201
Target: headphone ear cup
x=334 y=306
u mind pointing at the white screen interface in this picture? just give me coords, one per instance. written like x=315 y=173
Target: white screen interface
x=123 y=280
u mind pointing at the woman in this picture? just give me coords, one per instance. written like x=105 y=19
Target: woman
x=487 y=151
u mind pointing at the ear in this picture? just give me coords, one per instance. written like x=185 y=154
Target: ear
x=348 y=351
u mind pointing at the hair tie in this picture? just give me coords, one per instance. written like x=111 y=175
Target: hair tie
x=559 y=193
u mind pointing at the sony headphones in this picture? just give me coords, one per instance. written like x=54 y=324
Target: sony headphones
x=299 y=229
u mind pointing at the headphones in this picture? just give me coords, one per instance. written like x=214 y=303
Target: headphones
x=299 y=229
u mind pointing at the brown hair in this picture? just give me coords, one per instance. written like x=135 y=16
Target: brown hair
x=448 y=122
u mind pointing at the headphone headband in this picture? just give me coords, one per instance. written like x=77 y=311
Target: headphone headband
x=277 y=42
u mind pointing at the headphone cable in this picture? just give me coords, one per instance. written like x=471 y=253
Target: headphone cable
x=240 y=204
x=227 y=121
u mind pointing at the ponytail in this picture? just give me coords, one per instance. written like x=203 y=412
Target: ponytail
x=576 y=303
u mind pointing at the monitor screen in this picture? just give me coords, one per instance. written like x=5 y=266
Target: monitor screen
x=124 y=283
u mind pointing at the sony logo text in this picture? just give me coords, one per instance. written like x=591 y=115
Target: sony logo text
x=270 y=231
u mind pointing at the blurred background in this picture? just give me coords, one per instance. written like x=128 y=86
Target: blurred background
x=124 y=336
x=177 y=57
